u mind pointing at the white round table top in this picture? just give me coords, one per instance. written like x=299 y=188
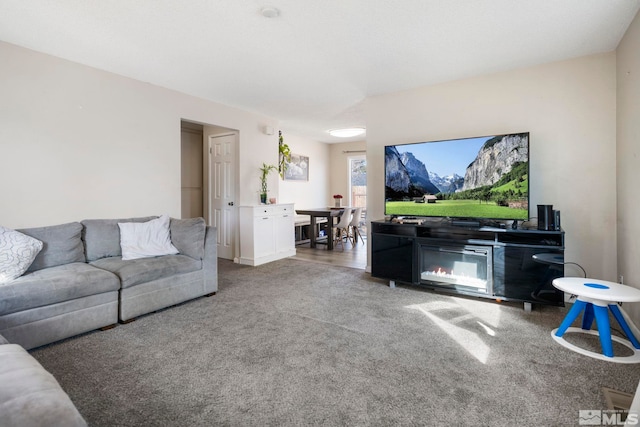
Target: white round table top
x=597 y=289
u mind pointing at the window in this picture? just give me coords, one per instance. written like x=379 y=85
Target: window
x=358 y=181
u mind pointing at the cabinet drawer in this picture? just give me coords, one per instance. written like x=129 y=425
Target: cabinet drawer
x=283 y=209
x=264 y=211
x=273 y=210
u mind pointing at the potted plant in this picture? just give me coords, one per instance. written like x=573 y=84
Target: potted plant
x=265 y=169
x=284 y=154
x=337 y=198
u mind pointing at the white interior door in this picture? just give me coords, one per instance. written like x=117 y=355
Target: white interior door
x=222 y=172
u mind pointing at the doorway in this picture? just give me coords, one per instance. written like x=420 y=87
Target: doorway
x=358 y=189
x=358 y=181
x=191 y=176
x=208 y=180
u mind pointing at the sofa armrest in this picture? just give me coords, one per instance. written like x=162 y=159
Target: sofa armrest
x=210 y=260
x=31 y=396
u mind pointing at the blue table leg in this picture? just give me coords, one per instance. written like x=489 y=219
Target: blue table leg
x=623 y=324
x=587 y=317
x=573 y=313
x=604 y=329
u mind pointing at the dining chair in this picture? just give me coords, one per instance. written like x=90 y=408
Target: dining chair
x=342 y=228
x=354 y=226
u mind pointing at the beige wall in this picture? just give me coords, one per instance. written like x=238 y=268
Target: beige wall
x=570 y=109
x=77 y=142
x=628 y=161
x=307 y=194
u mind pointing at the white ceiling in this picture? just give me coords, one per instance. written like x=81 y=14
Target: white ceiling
x=312 y=66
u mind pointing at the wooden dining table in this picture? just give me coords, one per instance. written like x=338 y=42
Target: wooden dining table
x=329 y=214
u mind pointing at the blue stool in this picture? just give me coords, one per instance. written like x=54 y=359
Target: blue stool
x=596 y=298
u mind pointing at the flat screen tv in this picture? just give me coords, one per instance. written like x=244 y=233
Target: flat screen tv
x=472 y=178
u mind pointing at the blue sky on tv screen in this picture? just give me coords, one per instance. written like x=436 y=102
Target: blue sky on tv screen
x=446 y=157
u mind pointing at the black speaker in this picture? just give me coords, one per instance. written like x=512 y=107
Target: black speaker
x=556 y=220
x=545 y=217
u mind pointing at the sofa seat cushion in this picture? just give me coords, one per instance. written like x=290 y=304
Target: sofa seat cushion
x=54 y=285
x=31 y=396
x=136 y=271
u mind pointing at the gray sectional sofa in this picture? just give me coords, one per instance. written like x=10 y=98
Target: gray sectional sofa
x=79 y=282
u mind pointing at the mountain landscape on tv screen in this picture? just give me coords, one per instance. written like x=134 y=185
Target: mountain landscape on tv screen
x=497 y=175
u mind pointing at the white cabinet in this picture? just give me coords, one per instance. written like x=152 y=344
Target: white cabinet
x=266 y=233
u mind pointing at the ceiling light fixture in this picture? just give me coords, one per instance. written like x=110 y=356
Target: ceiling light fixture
x=346 y=133
x=270 y=12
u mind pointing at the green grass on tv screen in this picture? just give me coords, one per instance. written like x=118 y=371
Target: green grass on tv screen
x=456 y=208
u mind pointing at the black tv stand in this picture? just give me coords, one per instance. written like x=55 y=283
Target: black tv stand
x=474 y=223
x=484 y=261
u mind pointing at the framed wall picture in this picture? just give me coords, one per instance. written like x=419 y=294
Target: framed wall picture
x=297 y=168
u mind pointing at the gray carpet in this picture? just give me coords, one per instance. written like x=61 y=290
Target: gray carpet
x=296 y=343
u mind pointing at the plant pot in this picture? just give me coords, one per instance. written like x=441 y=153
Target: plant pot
x=263 y=198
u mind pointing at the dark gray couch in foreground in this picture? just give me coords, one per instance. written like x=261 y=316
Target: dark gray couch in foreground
x=79 y=282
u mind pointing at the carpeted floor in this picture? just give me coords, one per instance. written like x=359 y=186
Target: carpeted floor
x=295 y=343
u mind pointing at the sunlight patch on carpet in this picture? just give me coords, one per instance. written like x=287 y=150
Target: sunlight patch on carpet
x=486 y=311
x=470 y=340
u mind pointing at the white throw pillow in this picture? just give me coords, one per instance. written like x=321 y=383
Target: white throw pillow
x=17 y=252
x=146 y=239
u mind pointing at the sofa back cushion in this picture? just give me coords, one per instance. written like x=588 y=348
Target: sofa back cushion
x=187 y=235
x=102 y=236
x=62 y=244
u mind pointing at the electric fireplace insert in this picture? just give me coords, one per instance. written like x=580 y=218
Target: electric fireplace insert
x=460 y=267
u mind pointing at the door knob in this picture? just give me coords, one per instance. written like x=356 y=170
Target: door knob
x=230 y=203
